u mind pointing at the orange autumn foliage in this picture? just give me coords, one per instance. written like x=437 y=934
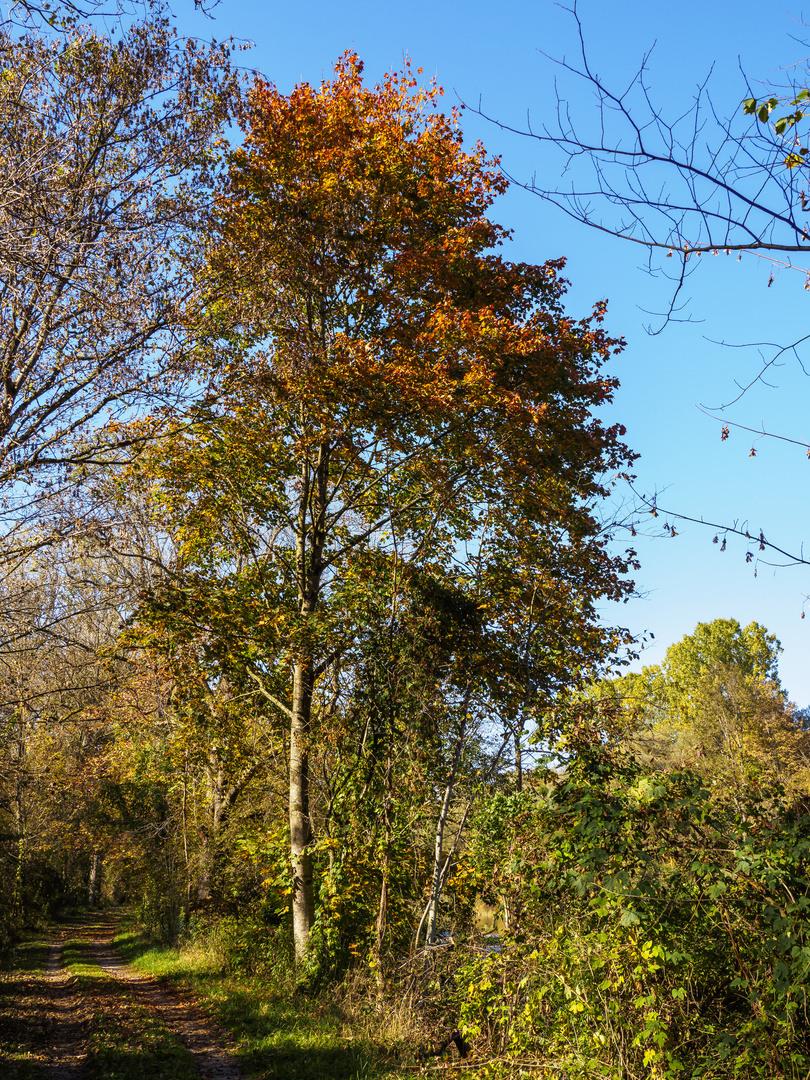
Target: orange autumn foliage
x=389 y=386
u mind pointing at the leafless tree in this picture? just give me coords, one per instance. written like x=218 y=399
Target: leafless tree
x=699 y=182
x=63 y=14
x=103 y=143
x=105 y=147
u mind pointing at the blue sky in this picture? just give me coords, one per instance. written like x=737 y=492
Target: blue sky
x=497 y=57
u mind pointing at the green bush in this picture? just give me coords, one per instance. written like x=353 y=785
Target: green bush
x=660 y=929
x=252 y=946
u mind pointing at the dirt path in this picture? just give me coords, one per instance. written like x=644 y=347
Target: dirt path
x=43 y=1025
x=65 y=1020
x=182 y=1018
x=48 y=1018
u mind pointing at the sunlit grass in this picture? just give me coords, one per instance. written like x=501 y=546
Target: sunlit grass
x=164 y=961
x=126 y=1039
x=74 y=959
x=279 y=1034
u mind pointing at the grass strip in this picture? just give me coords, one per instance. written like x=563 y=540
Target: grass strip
x=278 y=1033
x=24 y=1032
x=127 y=1038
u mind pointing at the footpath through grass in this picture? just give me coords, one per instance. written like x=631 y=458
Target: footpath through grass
x=86 y=1018
x=24 y=1023
x=126 y=1039
x=279 y=1034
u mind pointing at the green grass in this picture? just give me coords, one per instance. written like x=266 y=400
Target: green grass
x=279 y=1034
x=162 y=961
x=27 y=956
x=23 y=1034
x=126 y=1039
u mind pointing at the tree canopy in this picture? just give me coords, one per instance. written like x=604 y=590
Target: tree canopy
x=716 y=704
x=392 y=398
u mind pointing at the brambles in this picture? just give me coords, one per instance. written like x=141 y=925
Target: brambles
x=662 y=931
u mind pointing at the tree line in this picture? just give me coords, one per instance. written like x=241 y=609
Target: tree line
x=286 y=433
x=304 y=488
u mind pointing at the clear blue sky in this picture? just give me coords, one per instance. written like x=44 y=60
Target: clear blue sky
x=497 y=56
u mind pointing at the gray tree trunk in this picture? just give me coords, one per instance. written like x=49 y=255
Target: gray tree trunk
x=310 y=543
x=440 y=866
x=94 y=882
x=303 y=898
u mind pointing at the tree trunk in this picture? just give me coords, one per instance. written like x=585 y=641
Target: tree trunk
x=303 y=898
x=519 y=759
x=382 y=910
x=95 y=880
x=310 y=542
x=440 y=868
x=184 y=822
x=210 y=849
x=17 y=903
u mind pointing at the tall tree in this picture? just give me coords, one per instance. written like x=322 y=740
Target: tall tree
x=103 y=142
x=100 y=144
x=389 y=384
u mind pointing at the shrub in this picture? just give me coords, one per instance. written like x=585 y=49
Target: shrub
x=660 y=929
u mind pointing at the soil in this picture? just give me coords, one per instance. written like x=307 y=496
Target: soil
x=48 y=1018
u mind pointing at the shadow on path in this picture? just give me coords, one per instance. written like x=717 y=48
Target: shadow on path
x=42 y=1024
x=115 y=1022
